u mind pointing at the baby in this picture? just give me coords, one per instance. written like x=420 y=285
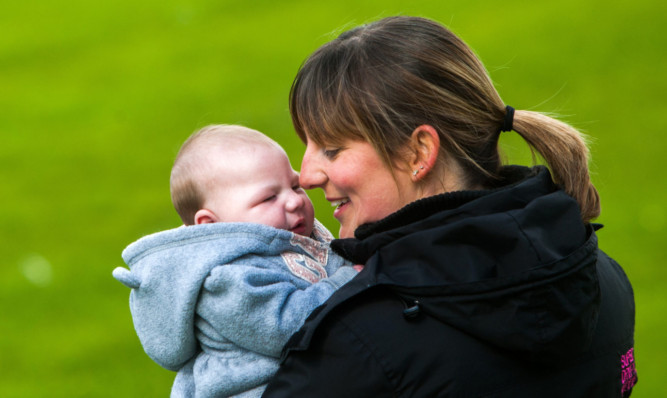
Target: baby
x=218 y=299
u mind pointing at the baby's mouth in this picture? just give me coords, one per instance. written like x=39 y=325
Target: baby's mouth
x=299 y=228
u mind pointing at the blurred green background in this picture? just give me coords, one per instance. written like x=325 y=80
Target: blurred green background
x=96 y=98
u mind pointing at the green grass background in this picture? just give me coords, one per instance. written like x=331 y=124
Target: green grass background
x=96 y=98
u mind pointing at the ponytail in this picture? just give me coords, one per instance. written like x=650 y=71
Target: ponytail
x=566 y=153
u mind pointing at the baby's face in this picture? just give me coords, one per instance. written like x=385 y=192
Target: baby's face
x=258 y=185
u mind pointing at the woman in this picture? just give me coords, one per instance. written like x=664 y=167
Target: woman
x=480 y=280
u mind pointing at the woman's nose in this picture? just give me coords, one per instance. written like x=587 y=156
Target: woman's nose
x=312 y=174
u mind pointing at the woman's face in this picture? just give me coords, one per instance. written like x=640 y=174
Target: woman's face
x=357 y=182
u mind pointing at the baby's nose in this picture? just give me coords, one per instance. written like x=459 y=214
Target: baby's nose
x=294 y=202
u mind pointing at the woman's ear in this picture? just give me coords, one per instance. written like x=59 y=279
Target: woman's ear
x=424 y=150
x=204 y=216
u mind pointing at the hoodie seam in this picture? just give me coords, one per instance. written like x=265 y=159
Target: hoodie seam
x=196 y=239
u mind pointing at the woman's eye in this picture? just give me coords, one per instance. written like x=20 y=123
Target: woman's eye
x=331 y=152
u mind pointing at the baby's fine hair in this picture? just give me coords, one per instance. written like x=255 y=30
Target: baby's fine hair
x=188 y=177
x=379 y=82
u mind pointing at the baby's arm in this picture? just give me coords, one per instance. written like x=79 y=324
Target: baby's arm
x=259 y=308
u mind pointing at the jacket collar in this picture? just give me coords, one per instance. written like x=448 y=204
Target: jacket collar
x=450 y=202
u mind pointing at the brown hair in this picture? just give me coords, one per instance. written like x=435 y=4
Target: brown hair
x=378 y=82
x=188 y=180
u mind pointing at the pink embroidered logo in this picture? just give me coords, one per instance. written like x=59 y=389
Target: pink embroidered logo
x=309 y=266
x=628 y=371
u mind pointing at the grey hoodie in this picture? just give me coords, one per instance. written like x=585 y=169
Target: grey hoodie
x=217 y=302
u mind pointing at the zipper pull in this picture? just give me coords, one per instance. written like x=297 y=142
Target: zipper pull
x=413 y=311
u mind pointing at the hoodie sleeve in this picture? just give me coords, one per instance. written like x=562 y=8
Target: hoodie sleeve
x=260 y=308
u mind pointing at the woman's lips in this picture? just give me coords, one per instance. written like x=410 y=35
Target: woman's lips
x=340 y=205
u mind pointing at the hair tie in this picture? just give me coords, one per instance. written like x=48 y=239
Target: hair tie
x=508 y=120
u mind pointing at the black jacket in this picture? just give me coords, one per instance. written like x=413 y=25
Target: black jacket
x=499 y=293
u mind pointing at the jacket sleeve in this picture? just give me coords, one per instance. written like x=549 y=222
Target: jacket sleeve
x=336 y=364
x=259 y=308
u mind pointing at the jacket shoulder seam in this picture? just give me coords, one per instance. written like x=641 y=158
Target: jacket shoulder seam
x=523 y=233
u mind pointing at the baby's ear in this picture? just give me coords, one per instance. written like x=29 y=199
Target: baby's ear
x=205 y=216
x=126 y=277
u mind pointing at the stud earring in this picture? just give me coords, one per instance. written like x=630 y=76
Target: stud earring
x=414 y=172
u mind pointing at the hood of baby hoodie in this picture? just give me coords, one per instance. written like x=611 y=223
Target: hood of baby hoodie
x=166 y=273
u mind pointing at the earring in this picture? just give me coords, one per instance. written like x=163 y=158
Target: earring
x=414 y=173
